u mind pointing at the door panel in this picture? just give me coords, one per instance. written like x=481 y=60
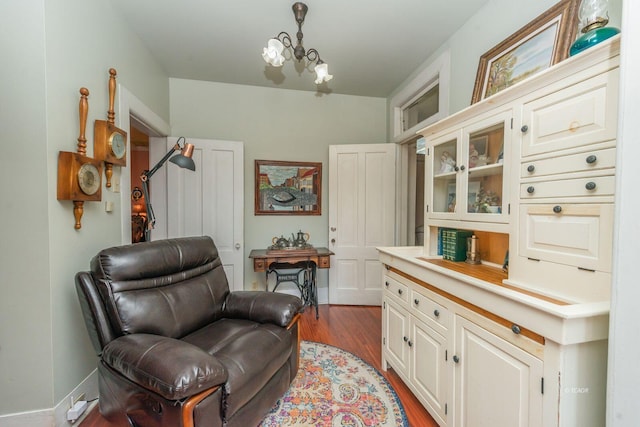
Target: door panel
x=210 y=201
x=361 y=218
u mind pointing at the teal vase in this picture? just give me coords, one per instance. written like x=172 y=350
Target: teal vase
x=592 y=38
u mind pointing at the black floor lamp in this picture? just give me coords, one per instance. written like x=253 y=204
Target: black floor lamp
x=182 y=159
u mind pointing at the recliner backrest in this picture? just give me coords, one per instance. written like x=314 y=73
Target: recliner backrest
x=168 y=287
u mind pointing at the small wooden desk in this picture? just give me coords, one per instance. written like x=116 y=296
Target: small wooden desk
x=308 y=260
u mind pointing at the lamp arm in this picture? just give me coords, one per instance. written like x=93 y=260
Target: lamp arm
x=144 y=177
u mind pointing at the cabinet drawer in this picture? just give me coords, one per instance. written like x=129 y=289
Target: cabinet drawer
x=588 y=161
x=580 y=187
x=324 y=262
x=581 y=114
x=397 y=290
x=578 y=235
x=429 y=311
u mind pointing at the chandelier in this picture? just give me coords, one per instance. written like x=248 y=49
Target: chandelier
x=272 y=54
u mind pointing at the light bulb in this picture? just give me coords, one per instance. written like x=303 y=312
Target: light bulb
x=322 y=72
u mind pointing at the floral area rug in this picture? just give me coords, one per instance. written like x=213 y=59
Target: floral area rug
x=336 y=388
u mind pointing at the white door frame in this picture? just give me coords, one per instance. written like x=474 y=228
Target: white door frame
x=129 y=105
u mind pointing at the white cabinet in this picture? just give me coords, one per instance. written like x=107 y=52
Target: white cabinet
x=415 y=350
x=531 y=171
x=466 y=171
x=455 y=364
x=497 y=383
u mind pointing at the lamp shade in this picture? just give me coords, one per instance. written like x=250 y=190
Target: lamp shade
x=322 y=73
x=183 y=159
x=272 y=54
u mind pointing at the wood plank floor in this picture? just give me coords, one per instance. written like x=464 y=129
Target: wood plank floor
x=353 y=328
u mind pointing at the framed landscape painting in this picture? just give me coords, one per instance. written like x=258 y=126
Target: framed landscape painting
x=288 y=188
x=543 y=42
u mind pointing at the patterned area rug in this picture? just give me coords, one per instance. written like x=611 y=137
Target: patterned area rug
x=336 y=388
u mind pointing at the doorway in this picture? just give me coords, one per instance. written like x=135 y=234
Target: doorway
x=139 y=141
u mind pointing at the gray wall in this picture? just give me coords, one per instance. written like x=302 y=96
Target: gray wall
x=51 y=48
x=276 y=124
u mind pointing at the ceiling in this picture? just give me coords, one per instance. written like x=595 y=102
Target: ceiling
x=371 y=46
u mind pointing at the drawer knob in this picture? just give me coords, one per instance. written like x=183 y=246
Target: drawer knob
x=386 y=284
x=531 y=168
x=456 y=168
x=530 y=189
x=557 y=209
x=399 y=291
x=591 y=159
x=436 y=313
x=410 y=343
x=524 y=129
x=462 y=167
x=456 y=359
x=405 y=339
x=416 y=301
x=590 y=185
x=515 y=329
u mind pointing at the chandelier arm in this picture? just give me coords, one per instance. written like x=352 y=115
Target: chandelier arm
x=284 y=38
x=313 y=56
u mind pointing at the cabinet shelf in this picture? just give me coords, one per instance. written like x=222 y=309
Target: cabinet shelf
x=487 y=170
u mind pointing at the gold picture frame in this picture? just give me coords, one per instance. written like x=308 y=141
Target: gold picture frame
x=543 y=42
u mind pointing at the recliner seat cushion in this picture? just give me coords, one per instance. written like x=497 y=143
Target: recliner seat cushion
x=251 y=353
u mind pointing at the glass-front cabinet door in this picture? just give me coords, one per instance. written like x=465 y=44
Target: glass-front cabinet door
x=468 y=179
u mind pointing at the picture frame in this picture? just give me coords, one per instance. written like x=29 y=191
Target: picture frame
x=288 y=188
x=541 y=43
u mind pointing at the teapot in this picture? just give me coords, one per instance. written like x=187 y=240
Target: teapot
x=300 y=240
x=281 y=242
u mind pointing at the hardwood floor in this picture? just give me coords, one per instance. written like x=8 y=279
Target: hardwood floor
x=355 y=329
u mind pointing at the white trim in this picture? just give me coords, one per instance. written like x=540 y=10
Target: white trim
x=129 y=105
x=438 y=71
x=56 y=416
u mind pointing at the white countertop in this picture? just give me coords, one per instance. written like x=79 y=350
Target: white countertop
x=565 y=324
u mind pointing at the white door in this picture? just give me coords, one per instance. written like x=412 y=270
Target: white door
x=210 y=201
x=362 y=209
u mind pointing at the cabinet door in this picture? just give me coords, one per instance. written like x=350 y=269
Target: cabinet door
x=429 y=374
x=467 y=171
x=444 y=157
x=485 y=181
x=497 y=384
x=573 y=234
x=578 y=115
x=396 y=337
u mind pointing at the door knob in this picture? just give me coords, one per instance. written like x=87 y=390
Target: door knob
x=333 y=229
x=333 y=241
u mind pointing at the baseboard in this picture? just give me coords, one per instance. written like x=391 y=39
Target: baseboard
x=88 y=387
x=42 y=418
x=57 y=416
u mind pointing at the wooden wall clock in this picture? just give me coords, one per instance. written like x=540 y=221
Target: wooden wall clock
x=110 y=142
x=79 y=176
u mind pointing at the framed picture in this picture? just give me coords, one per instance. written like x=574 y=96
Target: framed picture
x=543 y=42
x=288 y=188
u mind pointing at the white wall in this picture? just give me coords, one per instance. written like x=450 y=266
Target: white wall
x=277 y=124
x=52 y=48
x=623 y=393
x=496 y=21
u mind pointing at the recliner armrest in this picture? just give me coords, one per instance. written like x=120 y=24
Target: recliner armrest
x=262 y=307
x=169 y=367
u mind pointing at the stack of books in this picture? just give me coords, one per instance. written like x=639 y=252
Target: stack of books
x=454 y=243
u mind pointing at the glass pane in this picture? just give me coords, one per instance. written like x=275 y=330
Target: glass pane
x=421 y=109
x=484 y=191
x=444 y=180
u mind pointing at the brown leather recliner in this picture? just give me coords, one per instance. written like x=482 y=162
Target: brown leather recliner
x=176 y=347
